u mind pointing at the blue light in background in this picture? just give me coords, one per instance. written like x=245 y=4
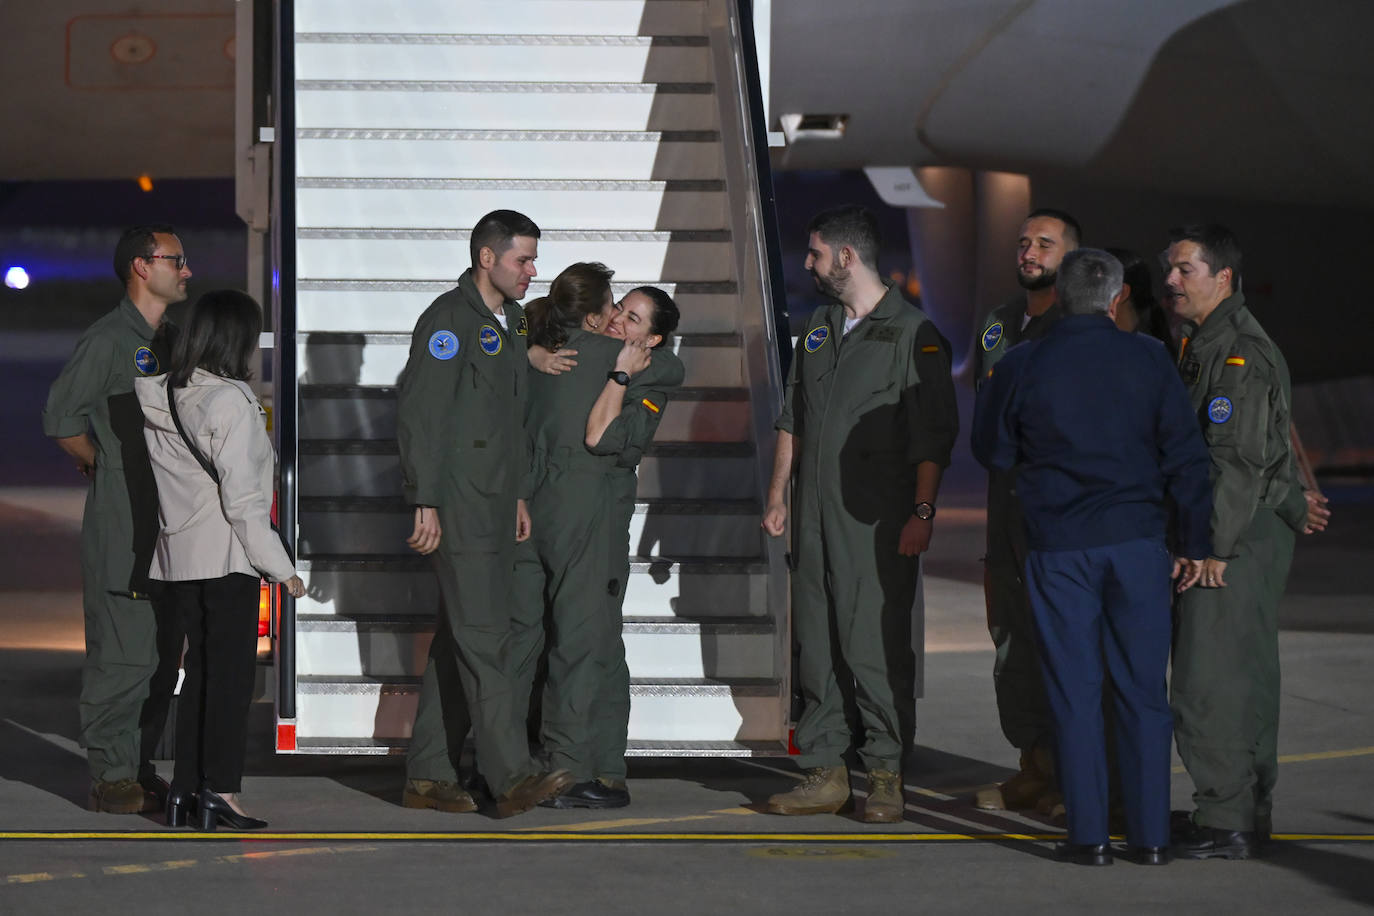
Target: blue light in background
x=16 y=277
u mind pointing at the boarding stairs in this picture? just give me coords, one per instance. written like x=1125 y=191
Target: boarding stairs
x=624 y=129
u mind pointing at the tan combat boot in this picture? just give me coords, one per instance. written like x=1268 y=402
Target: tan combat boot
x=437 y=794
x=531 y=790
x=885 y=803
x=124 y=796
x=824 y=790
x=1024 y=789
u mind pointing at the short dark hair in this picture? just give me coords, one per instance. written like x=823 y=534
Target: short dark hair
x=579 y=289
x=1072 y=231
x=849 y=225
x=1220 y=247
x=220 y=336
x=1089 y=279
x=1136 y=274
x=137 y=242
x=497 y=230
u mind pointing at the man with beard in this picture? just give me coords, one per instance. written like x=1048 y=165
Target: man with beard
x=133 y=643
x=1046 y=236
x=464 y=463
x=867 y=426
x=1226 y=648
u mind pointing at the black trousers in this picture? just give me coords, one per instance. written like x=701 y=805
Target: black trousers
x=220 y=617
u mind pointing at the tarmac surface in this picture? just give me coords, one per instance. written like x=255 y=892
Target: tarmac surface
x=696 y=838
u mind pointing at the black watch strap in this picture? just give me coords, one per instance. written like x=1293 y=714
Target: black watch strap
x=620 y=378
x=925 y=511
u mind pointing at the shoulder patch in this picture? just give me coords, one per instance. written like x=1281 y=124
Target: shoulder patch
x=443 y=344
x=934 y=348
x=523 y=328
x=992 y=336
x=1219 y=410
x=816 y=339
x=651 y=406
x=1191 y=370
x=145 y=361
x=489 y=339
x=1235 y=360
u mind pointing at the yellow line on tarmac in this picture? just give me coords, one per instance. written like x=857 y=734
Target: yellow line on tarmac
x=640 y=821
x=148 y=867
x=144 y=868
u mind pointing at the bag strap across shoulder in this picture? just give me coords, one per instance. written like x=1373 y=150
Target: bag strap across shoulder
x=195 y=452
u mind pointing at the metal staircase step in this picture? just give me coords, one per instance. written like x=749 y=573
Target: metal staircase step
x=503 y=17
x=535 y=58
x=387 y=646
x=466 y=106
x=636 y=748
x=661 y=709
x=435 y=203
x=432 y=253
x=399 y=153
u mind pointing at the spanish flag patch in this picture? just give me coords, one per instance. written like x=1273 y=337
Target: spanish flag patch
x=1235 y=360
x=931 y=349
x=651 y=406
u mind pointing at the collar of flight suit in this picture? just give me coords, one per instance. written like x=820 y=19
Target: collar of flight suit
x=135 y=318
x=467 y=284
x=1212 y=327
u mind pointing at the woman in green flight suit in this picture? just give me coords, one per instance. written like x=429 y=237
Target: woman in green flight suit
x=588 y=434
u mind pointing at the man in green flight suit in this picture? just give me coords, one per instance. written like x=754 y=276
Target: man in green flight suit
x=1046 y=236
x=1226 y=651
x=464 y=466
x=133 y=645
x=867 y=425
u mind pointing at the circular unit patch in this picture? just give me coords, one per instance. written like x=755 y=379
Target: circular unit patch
x=443 y=345
x=1219 y=409
x=145 y=361
x=489 y=339
x=992 y=336
x=816 y=339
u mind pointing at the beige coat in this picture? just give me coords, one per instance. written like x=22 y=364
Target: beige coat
x=209 y=531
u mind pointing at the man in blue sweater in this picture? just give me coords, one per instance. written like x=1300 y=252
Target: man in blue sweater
x=1100 y=428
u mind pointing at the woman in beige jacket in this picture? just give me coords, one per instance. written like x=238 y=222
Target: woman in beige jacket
x=214 y=473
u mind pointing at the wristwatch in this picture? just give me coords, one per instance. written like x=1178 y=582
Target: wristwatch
x=620 y=378
x=925 y=511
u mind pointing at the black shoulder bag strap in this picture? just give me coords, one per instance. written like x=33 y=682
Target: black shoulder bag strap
x=195 y=452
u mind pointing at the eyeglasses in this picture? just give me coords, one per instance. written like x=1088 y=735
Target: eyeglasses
x=180 y=259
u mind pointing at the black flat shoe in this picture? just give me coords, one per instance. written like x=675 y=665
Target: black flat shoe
x=1084 y=853
x=1149 y=855
x=215 y=811
x=591 y=794
x=1211 y=843
x=180 y=805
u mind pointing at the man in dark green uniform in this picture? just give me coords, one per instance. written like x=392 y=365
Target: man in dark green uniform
x=867 y=423
x=464 y=464
x=133 y=647
x=1046 y=236
x=1226 y=651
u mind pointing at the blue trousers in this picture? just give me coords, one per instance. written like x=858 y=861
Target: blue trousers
x=1107 y=604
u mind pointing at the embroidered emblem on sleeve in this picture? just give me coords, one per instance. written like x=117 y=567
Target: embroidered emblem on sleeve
x=816 y=339
x=1235 y=360
x=1219 y=409
x=992 y=336
x=650 y=405
x=443 y=345
x=145 y=361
